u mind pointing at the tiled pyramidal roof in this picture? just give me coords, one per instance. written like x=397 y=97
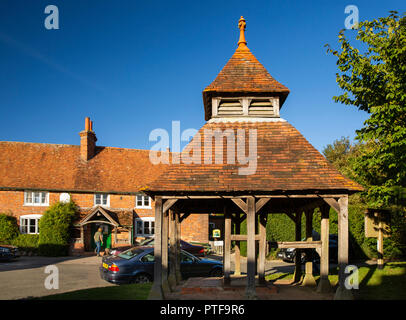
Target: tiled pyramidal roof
x=285 y=160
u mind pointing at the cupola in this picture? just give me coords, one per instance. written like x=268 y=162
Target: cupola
x=244 y=88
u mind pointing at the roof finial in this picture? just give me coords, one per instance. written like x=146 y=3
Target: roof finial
x=241 y=26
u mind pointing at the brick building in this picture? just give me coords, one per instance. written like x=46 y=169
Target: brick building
x=106 y=184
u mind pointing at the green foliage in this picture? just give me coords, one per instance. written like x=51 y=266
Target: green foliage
x=375 y=81
x=26 y=242
x=8 y=228
x=55 y=229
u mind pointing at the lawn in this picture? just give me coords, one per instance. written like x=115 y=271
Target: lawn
x=374 y=284
x=123 y=292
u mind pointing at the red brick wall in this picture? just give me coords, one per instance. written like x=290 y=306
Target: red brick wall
x=195 y=228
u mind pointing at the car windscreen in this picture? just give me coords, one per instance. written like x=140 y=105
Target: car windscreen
x=130 y=253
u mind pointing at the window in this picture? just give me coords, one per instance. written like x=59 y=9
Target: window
x=144 y=227
x=149 y=257
x=102 y=199
x=30 y=223
x=34 y=198
x=142 y=201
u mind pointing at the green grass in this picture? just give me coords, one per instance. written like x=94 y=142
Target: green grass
x=374 y=284
x=122 y=292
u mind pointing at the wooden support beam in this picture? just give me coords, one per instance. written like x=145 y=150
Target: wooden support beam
x=237 y=256
x=184 y=216
x=243 y=237
x=308 y=279
x=380 y=240
x=260 y=203
x=241 y=204
x=324 y=285
x=333 y=203
x=342 y=293
x=250 y=290
x=156 y=292
x=262 y=248
x=172 y=251
x=178 y=250
x=299 y=244
x=168 y=204
x=298 y=253
x=227 y=245
x=165 y=260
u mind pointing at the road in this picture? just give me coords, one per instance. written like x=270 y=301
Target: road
x=25 y=277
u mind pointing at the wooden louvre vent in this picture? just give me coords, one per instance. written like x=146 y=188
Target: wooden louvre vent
x=230 y=108
x=261 y=108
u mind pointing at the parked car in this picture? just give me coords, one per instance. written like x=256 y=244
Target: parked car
x=289 y=254
x=8 y=252
x=137 y=265
x=196 y=250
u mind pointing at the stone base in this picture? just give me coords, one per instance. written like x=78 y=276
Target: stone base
x=324 y=286
x=343 y=294
x=309 y=281
x=156 y=293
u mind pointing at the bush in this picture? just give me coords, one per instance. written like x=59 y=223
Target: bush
x=8 y=228
x=26 y=242
x=55 y=229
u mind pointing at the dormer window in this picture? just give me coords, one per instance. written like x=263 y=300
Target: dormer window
x=102 y=199
x=259 y=107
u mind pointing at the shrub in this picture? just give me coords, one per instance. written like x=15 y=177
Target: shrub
x=8 y=228
x=55 y=229
x=26 y=242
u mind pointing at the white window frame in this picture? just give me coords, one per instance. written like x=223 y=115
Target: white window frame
x=143 y=202
x=102 y=205
x=27 y=217
x=33 y=203
x=143 y=220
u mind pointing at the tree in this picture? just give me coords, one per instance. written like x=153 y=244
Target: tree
x=374 y=81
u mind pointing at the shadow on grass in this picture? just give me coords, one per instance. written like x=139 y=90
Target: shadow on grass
x=137 y=291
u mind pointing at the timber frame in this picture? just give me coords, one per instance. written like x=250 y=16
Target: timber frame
x=170 y=210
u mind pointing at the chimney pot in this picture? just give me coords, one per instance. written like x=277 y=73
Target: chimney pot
x=87 y=141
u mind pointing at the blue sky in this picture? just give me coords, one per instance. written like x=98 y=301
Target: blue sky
x=134 y=66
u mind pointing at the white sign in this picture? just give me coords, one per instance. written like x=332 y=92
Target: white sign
x=218 y=243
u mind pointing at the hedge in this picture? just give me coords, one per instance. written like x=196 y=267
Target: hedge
x=8 y=228
x=26 y=243
x=281 y=228
x=55 y=229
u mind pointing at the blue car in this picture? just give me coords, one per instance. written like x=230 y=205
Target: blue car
x=136 y=265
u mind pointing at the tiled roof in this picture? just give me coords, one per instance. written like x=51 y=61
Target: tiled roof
x=56 y=167
x=243 y=73
x=286 y=162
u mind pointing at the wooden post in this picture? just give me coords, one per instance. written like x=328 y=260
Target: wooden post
x=250 y=291
x=178 y=251
x=308 y=279
x=115 y=235
x=165 y=229
x=156 y=292
x=324 y=285
x=342 y=293
x=298 y=254
x=172 y=250
x=227 y=246
x=82 y=236
x=380 y=241
x=262 y=248
x=256 y=245
x=237 y=257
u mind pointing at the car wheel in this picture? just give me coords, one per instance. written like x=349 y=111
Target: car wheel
x=141 y=278
x=216 y=273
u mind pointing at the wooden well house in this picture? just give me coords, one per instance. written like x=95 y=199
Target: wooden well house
x=273 y=169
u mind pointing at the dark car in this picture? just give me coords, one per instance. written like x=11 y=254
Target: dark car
x=196 y=250
x=8 y=252
x=136 y=265
x=289 y=254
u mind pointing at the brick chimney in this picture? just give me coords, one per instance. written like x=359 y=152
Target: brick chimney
x=87 y=141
